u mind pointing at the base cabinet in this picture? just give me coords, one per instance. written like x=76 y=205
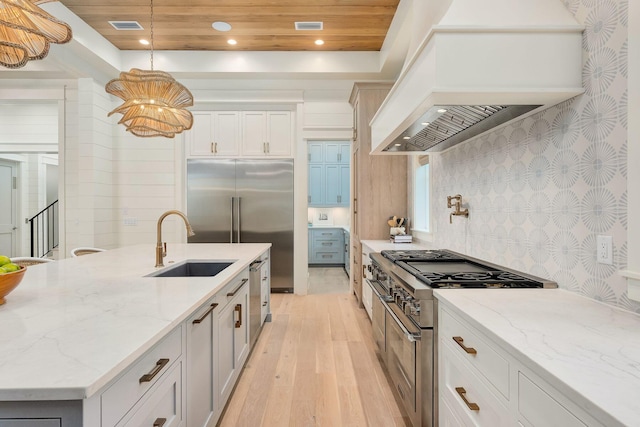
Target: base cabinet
x=184 y=380
x=326 y=246
x=163 y=407
x=202 y=340
x=233 y=338
x=481 y=384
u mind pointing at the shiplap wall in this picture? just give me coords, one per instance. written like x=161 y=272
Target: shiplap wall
x=89 y=167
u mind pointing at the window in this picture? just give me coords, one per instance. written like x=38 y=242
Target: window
x=421 y=194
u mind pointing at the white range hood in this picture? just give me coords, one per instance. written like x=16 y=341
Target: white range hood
x=508 y=57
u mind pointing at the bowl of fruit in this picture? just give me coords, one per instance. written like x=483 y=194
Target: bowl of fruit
x=10 y=276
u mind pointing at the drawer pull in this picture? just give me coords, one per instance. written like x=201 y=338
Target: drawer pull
x=327 y=244
x=238 y=309
x=462 y=393
x=460 y=341
x=230 y=294
x=159 y=422
x=213 y=306
x=264 y=303
x=159 y=365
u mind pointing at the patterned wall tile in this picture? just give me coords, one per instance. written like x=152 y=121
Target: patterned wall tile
x=540 y=190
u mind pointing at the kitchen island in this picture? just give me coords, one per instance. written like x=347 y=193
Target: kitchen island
x=542 y=357
x=72 y=327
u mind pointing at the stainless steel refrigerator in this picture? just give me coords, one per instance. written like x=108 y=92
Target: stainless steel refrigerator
x=247 y=201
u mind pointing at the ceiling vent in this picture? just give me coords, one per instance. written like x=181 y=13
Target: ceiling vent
x=126 y=25
x=308 y=25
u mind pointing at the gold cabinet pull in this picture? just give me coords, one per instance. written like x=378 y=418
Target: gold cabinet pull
x=159 y=422
x=238 y=309
x=460 y=342
x=463 y=395
x=213 y=307
x=156 y=369
x=230 y=294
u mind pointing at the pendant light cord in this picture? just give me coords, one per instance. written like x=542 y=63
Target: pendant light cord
x=151 y=35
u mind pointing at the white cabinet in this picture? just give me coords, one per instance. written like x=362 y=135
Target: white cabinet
x=266 y=133
x=202 y=341
x=141 y=378
x=214 y=133
x=233 y=336
x=163 y=406
x=481 y=384
x=367 y=292
x=240 y=134
x=265 y=291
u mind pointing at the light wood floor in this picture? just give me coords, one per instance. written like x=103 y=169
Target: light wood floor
x=314 y=365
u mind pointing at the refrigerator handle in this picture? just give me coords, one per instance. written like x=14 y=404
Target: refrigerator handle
x=238 y=221
x=233 y=202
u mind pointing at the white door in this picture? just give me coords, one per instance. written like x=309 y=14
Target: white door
x=8 y=207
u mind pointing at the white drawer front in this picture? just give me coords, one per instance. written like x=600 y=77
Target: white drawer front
x=163 y=408
x=122 y=395
x=540 y=409
x=458 y=382
x=476 y=351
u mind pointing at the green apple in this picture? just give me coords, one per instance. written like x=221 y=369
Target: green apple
x=4 y=260
x=11 y=267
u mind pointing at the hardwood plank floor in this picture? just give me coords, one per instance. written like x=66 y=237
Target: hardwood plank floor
x=314 y=365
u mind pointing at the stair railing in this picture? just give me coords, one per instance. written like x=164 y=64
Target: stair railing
x=44 y=231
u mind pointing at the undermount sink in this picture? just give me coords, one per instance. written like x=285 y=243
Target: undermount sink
x=192 y=269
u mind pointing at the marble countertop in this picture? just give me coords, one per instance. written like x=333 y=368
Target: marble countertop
x=587 y=350
x=343 y=227
x=73 y=325
x=383 y=245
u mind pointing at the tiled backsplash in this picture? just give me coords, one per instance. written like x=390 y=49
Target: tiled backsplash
x=540 y=190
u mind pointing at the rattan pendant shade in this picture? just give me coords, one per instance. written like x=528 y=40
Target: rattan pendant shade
x=26 y=32
x=155 y=104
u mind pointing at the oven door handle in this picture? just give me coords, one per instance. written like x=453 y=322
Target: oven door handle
x=374 y=288
x=410 y=336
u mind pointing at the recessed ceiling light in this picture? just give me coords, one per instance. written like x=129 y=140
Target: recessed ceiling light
x=221 y=26
x=425 y=123
x=398 y=145
x=442 y=110
x=144 y=42
x=406 y=137
x=319 y=42
x=232 y=41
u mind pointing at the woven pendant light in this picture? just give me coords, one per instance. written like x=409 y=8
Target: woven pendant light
x=26 y=32
x=154 y=102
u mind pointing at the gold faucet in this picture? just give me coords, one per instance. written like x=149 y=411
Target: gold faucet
x=456 y=203
x=161 y=248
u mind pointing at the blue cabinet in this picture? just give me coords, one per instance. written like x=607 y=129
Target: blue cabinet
x=316 y=152
x=329 y=174
x=326 y=246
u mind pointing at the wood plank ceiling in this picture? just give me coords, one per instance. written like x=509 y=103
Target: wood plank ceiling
x=257 y=25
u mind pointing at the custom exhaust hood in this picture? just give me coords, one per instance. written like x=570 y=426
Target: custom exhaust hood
x=481 y=65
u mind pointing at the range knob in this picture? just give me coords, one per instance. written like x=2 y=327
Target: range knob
x=412 y=309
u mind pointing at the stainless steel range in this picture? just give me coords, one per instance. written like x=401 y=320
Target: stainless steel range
x=404 y=319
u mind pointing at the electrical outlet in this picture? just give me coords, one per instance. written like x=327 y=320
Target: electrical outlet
x=605 y=249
